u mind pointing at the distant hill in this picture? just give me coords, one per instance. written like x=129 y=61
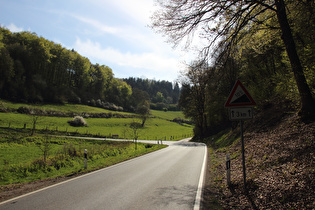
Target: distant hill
x=36 y=70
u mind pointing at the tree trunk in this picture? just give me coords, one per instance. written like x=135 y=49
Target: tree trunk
x=307 y=101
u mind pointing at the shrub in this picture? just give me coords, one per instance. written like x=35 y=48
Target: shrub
x=25 y=110
x=70 y=150
x=181 y=121
x=78 y=121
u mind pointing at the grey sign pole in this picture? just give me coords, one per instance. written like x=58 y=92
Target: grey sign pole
x=228 y=170
x=243 y=155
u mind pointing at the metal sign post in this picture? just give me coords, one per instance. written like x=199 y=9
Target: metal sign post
x=240 y=105
x=228 y=169
x=243 y=156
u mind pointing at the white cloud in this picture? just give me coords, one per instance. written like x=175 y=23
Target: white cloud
x=150 y=64
x=13 y=28
x=138 y=10
x=129 y=33
x=140 y=49
x=98 y=25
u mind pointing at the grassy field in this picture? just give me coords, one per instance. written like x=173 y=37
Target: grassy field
x=27 y=158
x=158 y=126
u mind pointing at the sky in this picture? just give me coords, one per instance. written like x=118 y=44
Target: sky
x=114 y=33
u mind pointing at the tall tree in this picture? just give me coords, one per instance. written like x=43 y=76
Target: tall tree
x=143 y=110
x=230 y=20
x=193 y=96
x=308 y=104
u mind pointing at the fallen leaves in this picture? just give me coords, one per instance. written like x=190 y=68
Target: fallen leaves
x=279 y=165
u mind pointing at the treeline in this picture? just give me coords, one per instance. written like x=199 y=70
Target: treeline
x=36 y=70
x=252 y=47
x=163 y=95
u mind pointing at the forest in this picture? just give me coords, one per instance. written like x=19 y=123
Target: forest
x=267 y=45
x=163 y=95
x=36 y=70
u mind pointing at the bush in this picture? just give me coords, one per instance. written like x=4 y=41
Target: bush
x=70 y=150
x=78 y=121
x=181 y=121
x=25 y=110
x=107 y=105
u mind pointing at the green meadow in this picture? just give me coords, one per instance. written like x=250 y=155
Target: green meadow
x=158 y=127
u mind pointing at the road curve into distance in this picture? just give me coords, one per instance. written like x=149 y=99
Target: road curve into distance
x=170 y=178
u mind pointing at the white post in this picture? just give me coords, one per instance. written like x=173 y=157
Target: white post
x=85 y=158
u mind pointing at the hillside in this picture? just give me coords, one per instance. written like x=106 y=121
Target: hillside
x=34 y=69
x=279 y=152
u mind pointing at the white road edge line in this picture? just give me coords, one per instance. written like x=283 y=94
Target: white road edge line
x=201 y=181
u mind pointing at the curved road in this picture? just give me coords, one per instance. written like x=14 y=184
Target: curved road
x=170 y=178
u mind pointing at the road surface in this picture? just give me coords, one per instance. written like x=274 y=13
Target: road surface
x=170 y=178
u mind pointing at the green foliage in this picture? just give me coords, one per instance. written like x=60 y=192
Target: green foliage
x=158 y=91
x=143 y=110
x=34 y=69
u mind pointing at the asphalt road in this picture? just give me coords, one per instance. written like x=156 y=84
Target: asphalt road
x=170 y=178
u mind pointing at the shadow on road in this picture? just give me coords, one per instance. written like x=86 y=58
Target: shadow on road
x=189 y=144
x=166 y=197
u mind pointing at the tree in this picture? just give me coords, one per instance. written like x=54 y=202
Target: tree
x=152 y=87
x=34 y=69
x=138 y=96
x=307 y=101
x=159 y=97
x=176 y=92
x=135 y=129
x=6 y=68
x=193 y=96
x=35 y=119
x=225 y=23
x=45 y=147
x=143 y=110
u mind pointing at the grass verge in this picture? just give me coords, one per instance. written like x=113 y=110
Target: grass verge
x=27 y=158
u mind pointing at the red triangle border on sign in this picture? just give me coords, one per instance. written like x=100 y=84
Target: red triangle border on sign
x=228 y=102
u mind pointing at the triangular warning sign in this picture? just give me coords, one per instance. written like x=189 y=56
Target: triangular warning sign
x=239 y=96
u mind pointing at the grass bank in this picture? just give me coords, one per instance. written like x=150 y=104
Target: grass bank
x=27 y=158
